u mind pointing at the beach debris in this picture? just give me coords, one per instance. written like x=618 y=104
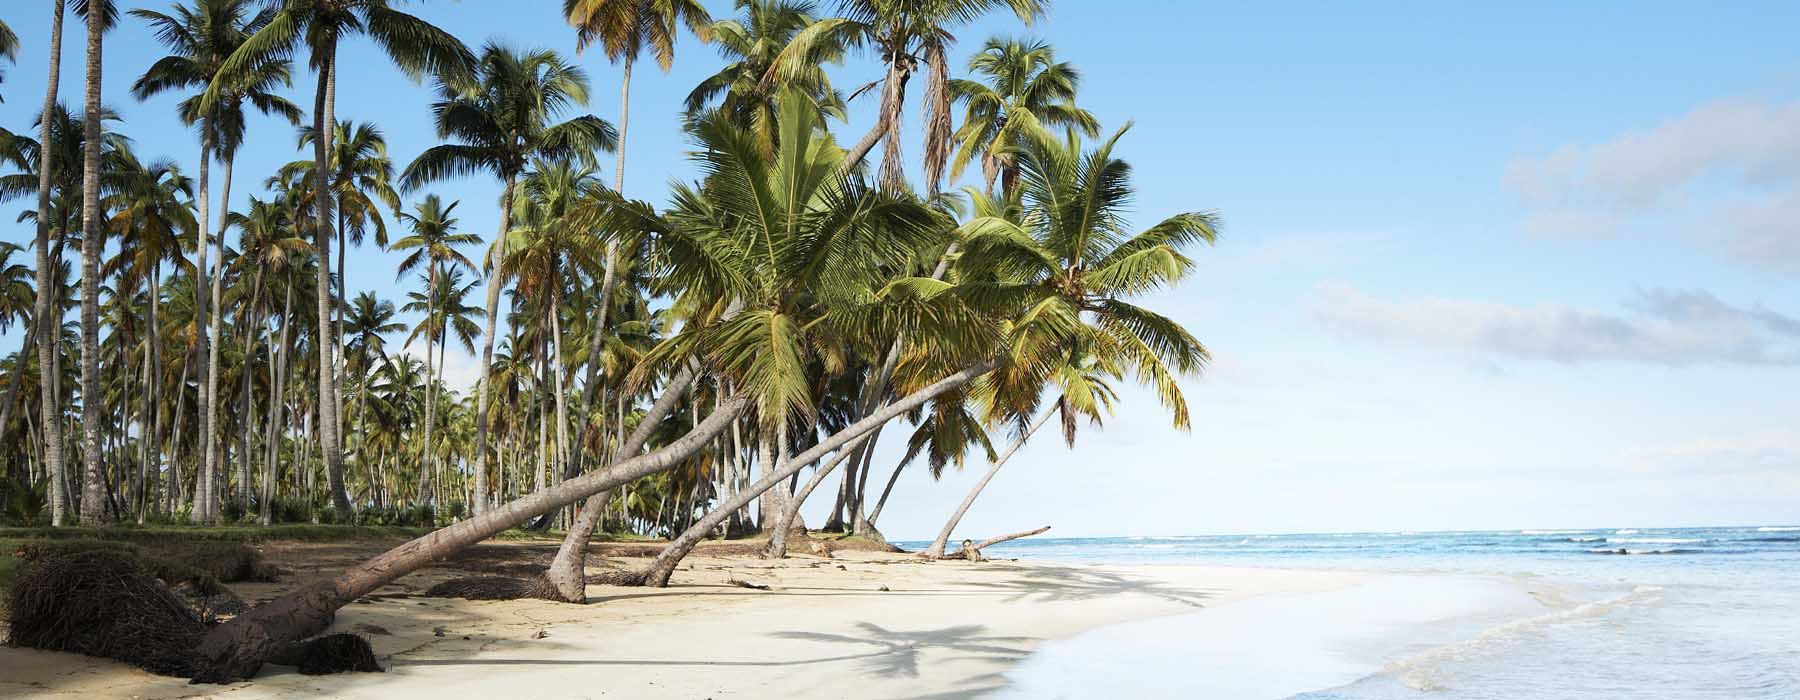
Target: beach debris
x=492 y=588
x=746 y=584
x=368 y=628
x=104 y=604
x=439 y=631
x=541 y=634
x=884 y=589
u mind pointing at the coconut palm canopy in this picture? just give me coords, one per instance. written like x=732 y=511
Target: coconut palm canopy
x=671 y=363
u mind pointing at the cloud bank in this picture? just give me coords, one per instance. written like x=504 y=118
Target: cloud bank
x=1657 y=326
x=1728 y=171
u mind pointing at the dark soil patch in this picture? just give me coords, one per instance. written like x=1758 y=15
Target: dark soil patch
x=332 y=653
x=490 y=588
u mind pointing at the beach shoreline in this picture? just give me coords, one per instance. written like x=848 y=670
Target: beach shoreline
x=858 y=624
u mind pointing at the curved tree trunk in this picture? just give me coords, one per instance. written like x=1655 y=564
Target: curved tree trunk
x=657 y=573
x=324 y=123
x=238 y=648
x=47 y=313
x=93 y=506
x=567 y=574
x=778 y=539
x=480 y=504
x=937 y=546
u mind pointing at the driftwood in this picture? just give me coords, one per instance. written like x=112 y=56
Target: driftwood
x=972 y=552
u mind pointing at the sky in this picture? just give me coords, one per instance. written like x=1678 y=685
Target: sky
x=1509 y=265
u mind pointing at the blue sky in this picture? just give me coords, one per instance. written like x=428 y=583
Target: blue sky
x=1517 y=265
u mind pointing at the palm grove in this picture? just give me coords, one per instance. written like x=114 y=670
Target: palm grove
x=700 y=365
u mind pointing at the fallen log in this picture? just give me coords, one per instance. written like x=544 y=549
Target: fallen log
x=972 y=552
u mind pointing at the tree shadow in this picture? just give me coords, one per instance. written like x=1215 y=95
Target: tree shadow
x=898 y=651
x=1057 y=583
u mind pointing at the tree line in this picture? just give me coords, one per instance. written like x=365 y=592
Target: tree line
x=671 y=368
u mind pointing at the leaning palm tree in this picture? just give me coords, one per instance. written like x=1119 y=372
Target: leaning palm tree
x=433 y=244
x=419 y=49
x=908 y=36
x=1071 y=259
x=200 y=40
x=844 y=248
x=499 y=127
x=1025 y=88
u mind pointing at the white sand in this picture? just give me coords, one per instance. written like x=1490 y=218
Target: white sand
x=826 y=630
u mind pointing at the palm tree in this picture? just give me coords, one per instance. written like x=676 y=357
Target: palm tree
x=433 y=243
x=201 y=39
x=9 y=47
x=93 y=488
x=1067 y=255
x=267 y=243
x=418 y=48
x=623 y=29
x=152 y=219
x=908 y=36
x=501 y=125
x=1026 y=88
x=369 y=319
x=752 y=46
x=1083 y=380
x=49 y=413
x=546 y=250
x=361 y=181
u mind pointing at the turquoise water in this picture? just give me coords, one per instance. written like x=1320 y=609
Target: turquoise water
x=1655 y=613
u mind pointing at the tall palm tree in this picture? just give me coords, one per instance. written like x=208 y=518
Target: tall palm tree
x=908 y=36
x=419 y=49
x=369 y=319
x=508 y=119
x=623 y=29
x=49 y=413
x=100 y=18
x=1026 y=87
x=546 y=253
x=751 y=46
x=267 y=243
x=362 y=179
x=433 y=244
x=201 y=39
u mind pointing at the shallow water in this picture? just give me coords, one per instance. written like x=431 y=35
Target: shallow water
x=1536 y=614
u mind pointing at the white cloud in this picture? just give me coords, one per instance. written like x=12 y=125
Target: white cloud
x=1674 y=174
x=1661 y=327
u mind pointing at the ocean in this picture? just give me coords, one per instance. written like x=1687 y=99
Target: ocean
x=1638 y=613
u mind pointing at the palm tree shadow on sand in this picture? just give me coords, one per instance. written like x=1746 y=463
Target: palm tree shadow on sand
x=897 y=652
x=1057 y=583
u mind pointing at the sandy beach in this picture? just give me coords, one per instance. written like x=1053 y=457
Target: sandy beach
x=858 y=624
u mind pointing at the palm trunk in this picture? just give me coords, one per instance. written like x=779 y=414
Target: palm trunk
x=252 y=322
x=425 y=456
x=215 y=459
x=657 y=574
x=278 y=390
x=567 y=572
x=93 y=510
x=202 y=511
x=479 y=507
x=238 y=648
x=778 y=540
x=17 y=381
x=560 y=377
x=324 y=121
x=46 y=313
x=937 y=546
